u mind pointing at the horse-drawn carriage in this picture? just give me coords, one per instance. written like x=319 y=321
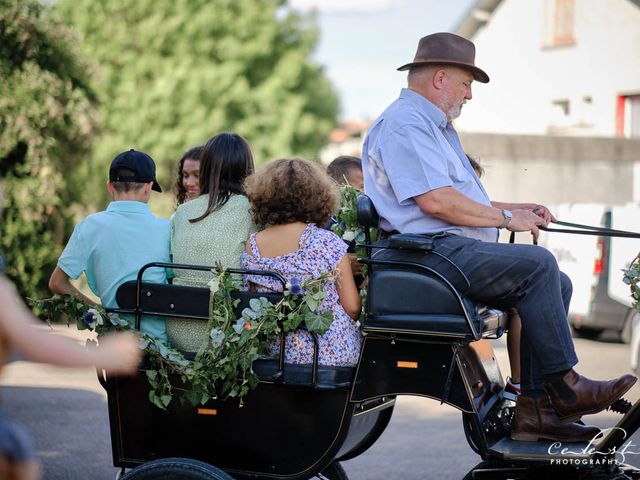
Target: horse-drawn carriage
x=422 y=337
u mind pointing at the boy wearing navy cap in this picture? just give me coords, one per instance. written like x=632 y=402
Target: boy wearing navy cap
x=111 y=246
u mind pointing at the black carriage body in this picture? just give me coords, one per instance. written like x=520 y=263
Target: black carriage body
x=293 y=425
x=280 y=432
x=301 y=418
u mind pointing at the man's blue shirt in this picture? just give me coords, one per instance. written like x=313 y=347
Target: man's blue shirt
x=411 y=149
x=111 y=246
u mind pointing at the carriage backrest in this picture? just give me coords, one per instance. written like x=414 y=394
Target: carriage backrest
x=193 y=302
x=366 y=212
x=178 y=300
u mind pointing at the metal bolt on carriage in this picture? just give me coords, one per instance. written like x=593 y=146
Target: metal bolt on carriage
x=422 y=337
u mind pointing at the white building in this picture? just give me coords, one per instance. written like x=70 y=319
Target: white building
x=562 y=67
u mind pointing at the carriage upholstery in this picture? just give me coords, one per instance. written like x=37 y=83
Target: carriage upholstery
x=193 y=302
x=413 y=291
x=402 y=300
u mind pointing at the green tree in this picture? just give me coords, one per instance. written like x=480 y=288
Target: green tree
x=47 y=119
x=174 y=72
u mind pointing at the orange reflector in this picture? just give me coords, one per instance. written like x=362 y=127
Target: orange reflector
x=207 y=411
x=401 y=364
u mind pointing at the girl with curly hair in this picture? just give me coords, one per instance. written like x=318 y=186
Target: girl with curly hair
x=293 y=199
x=188 y=181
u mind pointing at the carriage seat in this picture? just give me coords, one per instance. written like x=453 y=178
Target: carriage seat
x=402 y=300
x=411 y=290
x=193 y=302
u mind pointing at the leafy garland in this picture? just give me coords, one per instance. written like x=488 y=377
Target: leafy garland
x=346 y=224
x=631 y=276
x=223 y=367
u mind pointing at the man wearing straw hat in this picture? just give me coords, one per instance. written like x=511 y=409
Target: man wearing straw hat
x=420 y=181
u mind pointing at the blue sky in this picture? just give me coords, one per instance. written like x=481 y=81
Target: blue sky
x=364 y=41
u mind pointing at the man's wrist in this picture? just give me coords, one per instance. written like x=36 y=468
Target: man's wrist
x=507 y=216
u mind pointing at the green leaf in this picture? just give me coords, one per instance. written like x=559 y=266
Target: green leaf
x=255 y=304
x=317 y=323
x=155 y=399
x=163 y=349
x=312 y=303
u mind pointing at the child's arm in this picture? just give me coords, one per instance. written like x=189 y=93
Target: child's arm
x=60 y=283
x=118 y=354
x=347 y=290
x=356 y=267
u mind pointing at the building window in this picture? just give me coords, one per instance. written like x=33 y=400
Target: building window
x=560 y=24
x=560 y=118
x=561 y=107
x=628 y=116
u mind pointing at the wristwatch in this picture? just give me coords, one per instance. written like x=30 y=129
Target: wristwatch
x=507 y=218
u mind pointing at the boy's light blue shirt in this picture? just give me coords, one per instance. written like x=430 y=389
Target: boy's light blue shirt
x=111 y=246
x=411 y=149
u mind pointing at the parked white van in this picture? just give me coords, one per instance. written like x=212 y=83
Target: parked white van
x=601 y=300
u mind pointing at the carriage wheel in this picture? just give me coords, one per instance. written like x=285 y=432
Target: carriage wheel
x=176 y=469
x=333 y=472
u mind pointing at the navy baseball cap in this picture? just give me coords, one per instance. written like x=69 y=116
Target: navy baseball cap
x=141 y=164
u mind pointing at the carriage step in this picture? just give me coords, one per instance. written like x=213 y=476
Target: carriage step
x=609 y=441
x=541 y=451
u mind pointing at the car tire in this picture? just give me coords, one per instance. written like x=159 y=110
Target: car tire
x=587 y=332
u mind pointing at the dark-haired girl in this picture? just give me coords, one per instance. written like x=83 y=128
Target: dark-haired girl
x=212 y=227
x=188 y=181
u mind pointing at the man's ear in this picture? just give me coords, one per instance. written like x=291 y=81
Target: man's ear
x=148 y=187
x=110 y=188
x=439 y=78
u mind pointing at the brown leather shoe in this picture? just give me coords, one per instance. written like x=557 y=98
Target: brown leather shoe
x=576 y=395
x=536 y=419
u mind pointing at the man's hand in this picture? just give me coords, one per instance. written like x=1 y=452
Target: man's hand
x=536 y=208
x=543 y=212
x=526 y=221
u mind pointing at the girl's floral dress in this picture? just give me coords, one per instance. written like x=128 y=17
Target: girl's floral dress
x=319 y=252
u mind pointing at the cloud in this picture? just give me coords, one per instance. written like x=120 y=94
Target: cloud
x=343 y=5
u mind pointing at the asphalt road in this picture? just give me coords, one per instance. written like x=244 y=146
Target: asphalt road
x=65 y=411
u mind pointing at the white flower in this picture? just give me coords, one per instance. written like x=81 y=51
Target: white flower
x=349 y=235
x=217 y=337
x=214 y=284
x=96 y=315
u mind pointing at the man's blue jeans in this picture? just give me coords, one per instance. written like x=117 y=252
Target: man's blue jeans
x=526 y=277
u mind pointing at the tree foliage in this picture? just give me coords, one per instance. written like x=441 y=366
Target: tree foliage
x=47 y=119
x=174 y=72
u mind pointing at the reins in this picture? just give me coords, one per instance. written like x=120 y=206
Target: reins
x=579 y=229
